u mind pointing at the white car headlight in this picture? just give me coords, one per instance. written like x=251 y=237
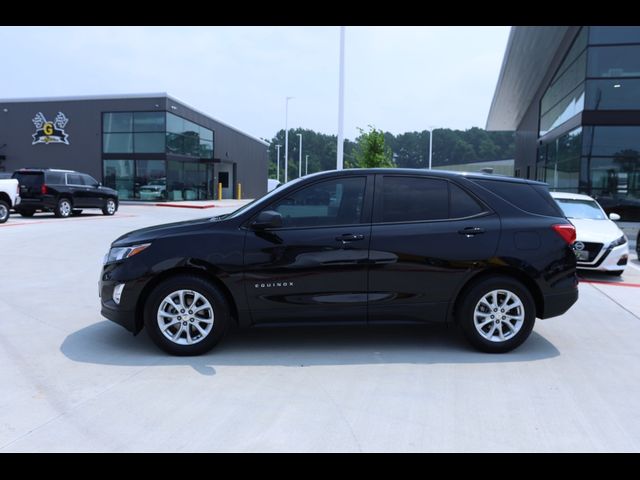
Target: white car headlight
x=120 y=253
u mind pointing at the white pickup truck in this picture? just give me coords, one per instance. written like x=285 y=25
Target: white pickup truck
x=9 y=197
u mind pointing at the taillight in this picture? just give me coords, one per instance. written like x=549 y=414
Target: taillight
x=43 y=189
x=567 y=232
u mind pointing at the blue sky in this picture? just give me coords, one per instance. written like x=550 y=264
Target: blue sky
x=396 y=78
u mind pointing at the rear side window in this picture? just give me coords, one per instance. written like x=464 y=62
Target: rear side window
x=462 y=204
x=74 y=179
x=408 y=199
x=29 y=179
x=55 y=178
x=530 y=198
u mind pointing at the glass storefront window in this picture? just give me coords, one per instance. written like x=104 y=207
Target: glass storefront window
x=206 y=134
x=560 y=160
x=175 y=124
x=609 y=141
x=148 y=121
x=619 y=94
x=117 y=122
x=148 y=142
x=614 y=61
x=118 y=174
x=151 y=180
x=117 y=143
x=579 y=44
x=571 y=105
x=568 y=81
x=617 y=35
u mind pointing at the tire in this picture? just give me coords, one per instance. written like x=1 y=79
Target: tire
x=110 y=207
x=617 y=273
x=180 y=289
x=63 y=208
x=4 y=211
x=76 y=212
x=473 y=312
x=26 y=213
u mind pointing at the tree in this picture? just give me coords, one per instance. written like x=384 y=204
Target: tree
x=371 y=150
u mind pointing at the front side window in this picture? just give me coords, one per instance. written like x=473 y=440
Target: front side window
x=89 y=180
x=74 y=179
x=334 y=202
x=409 y=199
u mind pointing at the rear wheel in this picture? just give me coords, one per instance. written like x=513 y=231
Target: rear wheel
x=109 y=207
x=63 y=209
x=186 y=315
x=497 y=314
x=4 y=211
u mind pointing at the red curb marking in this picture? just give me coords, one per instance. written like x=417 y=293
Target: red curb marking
x=67 y=220
x=621 y=284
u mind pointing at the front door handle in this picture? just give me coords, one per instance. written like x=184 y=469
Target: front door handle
x=471 y=231
x=349 y=237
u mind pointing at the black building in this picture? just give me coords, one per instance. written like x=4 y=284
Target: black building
x=147 y=147
x=572 y=94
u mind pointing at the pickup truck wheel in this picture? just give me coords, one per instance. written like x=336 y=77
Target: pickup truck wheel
x=4 y=211
x=186 y=315
x=497 y=314
x=109 y=207
x=64 y=208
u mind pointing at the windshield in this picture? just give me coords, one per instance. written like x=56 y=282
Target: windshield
x=262 y=200
x=588 y=209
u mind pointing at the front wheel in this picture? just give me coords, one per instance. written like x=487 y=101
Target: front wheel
x=64 y=208
x=186 y=315
x=4 y=211
x=109 y=207
x=497 y=314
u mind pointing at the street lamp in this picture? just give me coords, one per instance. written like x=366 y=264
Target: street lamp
x=306 y=164
x=300 y=156
x=286 y=139
x=430 y=144
x=278 y=164
x=340 y=150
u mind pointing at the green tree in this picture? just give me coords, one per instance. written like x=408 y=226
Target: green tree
x=371 y=150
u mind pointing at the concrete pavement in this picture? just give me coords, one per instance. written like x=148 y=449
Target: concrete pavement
x=72 y=381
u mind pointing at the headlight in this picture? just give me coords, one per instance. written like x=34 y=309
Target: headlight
x=620 y=241
x=120 y=253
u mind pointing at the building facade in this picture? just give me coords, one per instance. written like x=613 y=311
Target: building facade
x=148 y=147
x=572 y=94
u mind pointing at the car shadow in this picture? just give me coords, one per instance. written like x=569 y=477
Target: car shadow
x=108 y=344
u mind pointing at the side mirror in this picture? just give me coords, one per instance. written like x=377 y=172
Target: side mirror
x=614 y=216
x=267 y=219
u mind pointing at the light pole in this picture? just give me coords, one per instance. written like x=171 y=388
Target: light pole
x=340 y=159
x=306 y=164
x=430 y=145
x=286 y=139
x=278 y=164
x=300 y=156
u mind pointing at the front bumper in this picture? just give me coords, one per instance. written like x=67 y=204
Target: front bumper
x=609 y=259
x=126 y=312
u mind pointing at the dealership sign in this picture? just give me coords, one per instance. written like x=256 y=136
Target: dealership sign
x=50 y=132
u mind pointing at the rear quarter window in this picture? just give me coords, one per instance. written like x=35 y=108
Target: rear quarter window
x=530 y=198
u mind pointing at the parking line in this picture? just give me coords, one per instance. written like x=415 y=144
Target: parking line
x=67 y=220
x=615 y=284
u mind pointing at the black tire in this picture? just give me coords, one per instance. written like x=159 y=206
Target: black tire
x=76 y=212
x=5 y=211
x=110 y=206
x=26 y=213
x=617 y=273
x=472 y=297
x=221 y=315
x=63 y=208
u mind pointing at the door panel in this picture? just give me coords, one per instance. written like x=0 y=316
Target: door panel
x=417 y=266
x=315 y=267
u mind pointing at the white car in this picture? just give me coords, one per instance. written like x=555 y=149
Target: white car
x=600 y=244
x=272 y=184
x=9 y=197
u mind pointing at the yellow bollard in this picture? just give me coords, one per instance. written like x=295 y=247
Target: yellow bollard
x=239 y=191
x=219 y=190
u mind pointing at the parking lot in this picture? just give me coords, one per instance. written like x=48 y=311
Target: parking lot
x=73 y=381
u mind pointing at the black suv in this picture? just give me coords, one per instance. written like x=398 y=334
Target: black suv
x=63 y=192
x=368 y=246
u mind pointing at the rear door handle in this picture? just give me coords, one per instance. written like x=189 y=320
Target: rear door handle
x=349 y=237
x=471 y=231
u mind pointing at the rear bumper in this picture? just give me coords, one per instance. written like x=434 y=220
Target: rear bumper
x=558 y=303
x=37 y=204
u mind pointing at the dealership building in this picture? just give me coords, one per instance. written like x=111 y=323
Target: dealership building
x=572 y=94
x=147 y=147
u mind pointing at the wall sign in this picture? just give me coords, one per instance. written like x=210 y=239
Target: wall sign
x=50 y=132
